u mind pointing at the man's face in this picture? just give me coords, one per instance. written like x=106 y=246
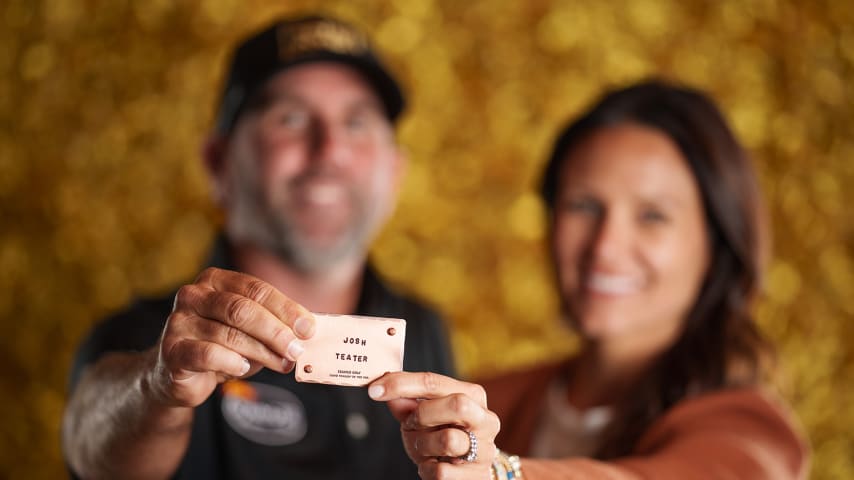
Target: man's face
x=312 y=172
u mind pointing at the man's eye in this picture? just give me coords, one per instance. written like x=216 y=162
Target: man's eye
x=292 y=119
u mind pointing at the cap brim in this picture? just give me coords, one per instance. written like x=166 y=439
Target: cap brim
x=384 y=85
x=236 y=98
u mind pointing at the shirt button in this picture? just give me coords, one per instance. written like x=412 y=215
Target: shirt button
x=357 y=425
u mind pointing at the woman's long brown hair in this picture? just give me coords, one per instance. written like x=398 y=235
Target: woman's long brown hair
x=721 y=345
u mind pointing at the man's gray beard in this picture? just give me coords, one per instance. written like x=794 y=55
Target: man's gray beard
x=273 y=227
x=289 y=244
x=272 y=230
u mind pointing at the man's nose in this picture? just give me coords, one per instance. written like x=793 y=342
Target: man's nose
x=329 y=145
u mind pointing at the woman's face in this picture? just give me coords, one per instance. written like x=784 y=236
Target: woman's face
x=629 y=237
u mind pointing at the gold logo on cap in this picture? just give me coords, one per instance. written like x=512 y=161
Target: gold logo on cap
x=321 y=35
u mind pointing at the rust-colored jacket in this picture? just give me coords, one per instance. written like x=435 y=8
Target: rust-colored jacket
x=730 y=434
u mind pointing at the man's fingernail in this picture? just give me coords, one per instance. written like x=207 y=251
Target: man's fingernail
x=287 y=365
x=304 y=327
x=376 y=391
x=412 y=420
x=295 y=349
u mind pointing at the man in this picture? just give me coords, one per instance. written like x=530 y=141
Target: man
x=305 y=165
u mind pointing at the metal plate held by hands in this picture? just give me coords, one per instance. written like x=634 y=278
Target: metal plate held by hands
x=351 y=350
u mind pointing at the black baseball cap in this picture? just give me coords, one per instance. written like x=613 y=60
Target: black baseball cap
x=294 y=41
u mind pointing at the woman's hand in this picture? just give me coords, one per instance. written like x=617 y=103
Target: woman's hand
x=435 y=414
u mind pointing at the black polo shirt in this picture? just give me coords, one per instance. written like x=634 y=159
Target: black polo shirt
x=270 y=426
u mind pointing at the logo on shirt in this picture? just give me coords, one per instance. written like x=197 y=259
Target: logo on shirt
x=263 y=413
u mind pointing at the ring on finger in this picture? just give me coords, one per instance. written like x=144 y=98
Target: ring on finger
x=472 y=453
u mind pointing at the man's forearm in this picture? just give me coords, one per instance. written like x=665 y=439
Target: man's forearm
x=115 y=428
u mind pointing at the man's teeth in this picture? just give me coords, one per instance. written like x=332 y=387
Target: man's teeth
x=323 y=194
x=612 y=284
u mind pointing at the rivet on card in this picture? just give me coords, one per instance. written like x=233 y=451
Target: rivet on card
x=391 y=331
x=307 y=368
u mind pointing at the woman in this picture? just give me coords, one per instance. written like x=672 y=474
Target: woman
x=658 y=240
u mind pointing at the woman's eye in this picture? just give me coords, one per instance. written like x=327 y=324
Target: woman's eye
x=582 y=205
x=356 y=123
x=653 y=216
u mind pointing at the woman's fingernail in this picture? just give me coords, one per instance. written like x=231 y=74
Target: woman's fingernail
x=245 y=367
x=304 y=327
x=376 y=391
x=295 y=349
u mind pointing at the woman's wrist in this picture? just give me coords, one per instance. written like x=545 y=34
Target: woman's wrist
x=506 y=466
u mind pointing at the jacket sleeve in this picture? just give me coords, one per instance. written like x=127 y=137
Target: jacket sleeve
x=737 y=434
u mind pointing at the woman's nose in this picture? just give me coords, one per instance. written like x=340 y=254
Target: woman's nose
x=610 y=240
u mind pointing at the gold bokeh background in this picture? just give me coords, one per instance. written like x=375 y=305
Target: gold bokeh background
x=104 y=105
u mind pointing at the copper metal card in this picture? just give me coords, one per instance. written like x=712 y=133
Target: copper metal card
x=351 y=350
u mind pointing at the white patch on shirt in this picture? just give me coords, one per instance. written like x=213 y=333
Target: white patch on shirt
x=267 y=414
x=564 y=431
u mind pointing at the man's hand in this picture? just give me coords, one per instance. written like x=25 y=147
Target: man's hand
x=225 y=325
x=130 y=415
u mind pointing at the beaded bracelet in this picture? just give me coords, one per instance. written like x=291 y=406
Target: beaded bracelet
x=506 y=467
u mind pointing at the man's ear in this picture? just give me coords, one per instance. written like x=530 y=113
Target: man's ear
x=214 y=152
